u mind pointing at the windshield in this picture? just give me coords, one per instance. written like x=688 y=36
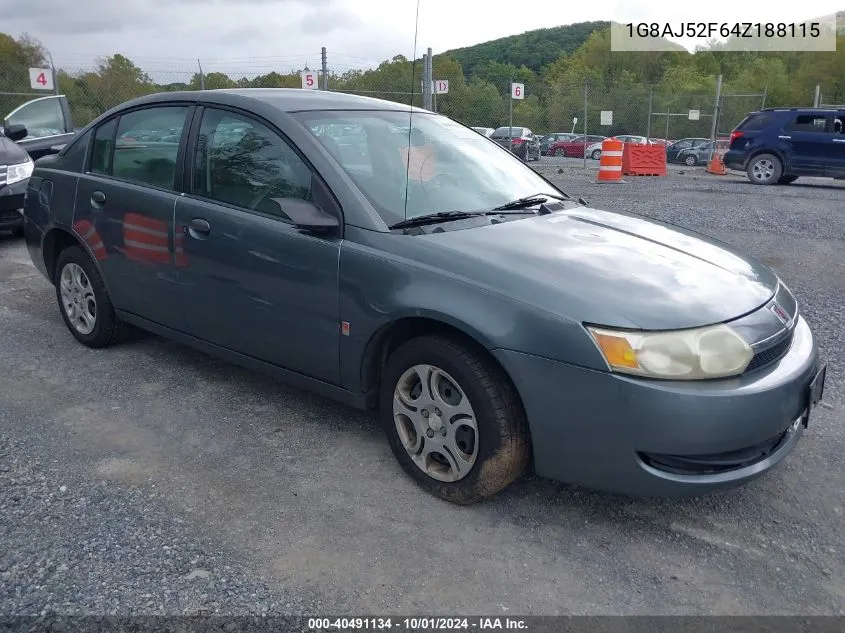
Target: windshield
x=448 y=167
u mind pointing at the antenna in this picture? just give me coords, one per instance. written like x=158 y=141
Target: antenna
x=411 y=112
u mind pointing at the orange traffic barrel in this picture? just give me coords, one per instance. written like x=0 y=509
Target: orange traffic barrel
x=610 y=163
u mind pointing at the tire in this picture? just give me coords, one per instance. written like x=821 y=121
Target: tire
x=787 y=180
x=17 y=231
x=78 y=280
x=499 y=448
x=596 y=154
x=560 y=152
x=764 y=169
x=690 y=161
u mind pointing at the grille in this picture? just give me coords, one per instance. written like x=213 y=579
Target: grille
x=3 y=171
x=768 y=355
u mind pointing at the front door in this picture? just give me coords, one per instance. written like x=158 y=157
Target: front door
x=836 y=162
x=124 y=209
x=256 y=284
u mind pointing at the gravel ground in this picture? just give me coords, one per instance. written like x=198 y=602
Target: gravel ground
x=149 y=478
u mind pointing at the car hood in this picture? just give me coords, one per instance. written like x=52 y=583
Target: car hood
x=10 y=152
x=606 y=268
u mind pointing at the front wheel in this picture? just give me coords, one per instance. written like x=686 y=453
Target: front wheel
x=690 y=161
x=764 y=169
x=560 y=153
x=453 y=419
x=596 y=154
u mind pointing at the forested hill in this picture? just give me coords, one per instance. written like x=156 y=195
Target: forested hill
x=533 y=49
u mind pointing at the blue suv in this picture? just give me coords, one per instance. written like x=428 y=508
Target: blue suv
x=777 y=145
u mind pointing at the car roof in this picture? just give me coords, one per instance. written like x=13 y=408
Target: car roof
x=284 y=99
x=802 y=110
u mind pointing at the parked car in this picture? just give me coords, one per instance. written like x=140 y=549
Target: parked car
x=699 y=154
x=548 y=139
x=15 y=169
x=524 y=143
x=594 y=151
x=574 y=148
x=777 y=146
x=48 y=124
x=494 y=321
x=486 y=131
x=673 y=149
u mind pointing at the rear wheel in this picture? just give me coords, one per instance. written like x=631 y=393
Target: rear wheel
x=84 y=302
x=690 y=160
x=453 y=419
x=560 y=152
x=764 y=169
x=785 y=180
x=596 y=154
x=17 y=231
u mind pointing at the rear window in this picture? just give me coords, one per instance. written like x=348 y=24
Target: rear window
x=755 y=121
x=502 y=132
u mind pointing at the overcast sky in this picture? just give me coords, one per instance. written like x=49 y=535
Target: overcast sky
x=253 y=35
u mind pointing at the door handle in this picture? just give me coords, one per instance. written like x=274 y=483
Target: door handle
x=839 y=140
x=199 y=228
x=786 y=138
x=98 y=197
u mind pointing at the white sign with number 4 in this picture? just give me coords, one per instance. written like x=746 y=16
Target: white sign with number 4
x=517 y=91
x=309 y=80
x=41 y=78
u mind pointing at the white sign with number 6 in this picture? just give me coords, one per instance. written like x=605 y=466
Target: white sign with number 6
x=517 y=91
x=309 y=80
x=41 y=78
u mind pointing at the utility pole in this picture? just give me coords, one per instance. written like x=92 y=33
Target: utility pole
x=586 y=103
x=817 y=98
x=325 y=70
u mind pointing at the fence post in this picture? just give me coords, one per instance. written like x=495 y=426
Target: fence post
x=325 y=70
x=765 y=94
x=817 y=98
x=202 y=76
x=427 y=81
x=648 y=121
x=586 y=103
x=53 y=73
x=715 y=126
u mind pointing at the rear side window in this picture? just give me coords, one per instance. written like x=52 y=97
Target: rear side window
x=755 y=122
x=809 y=123
x=103 y=143
x=147 y=144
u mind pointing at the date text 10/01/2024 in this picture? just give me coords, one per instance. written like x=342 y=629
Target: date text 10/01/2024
x=417 y=624
x=724 y=29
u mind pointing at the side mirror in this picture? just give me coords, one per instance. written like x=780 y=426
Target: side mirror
x=307 y=215
x=16 y=132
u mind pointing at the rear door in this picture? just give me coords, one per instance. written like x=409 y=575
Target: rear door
x=807 y=142
x=124 y=209
x=836 y=164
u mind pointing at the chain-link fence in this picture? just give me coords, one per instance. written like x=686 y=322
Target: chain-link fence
x=592 y=107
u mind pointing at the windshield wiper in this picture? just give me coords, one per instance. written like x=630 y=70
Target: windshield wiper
x=529 y=201
x=448 y=216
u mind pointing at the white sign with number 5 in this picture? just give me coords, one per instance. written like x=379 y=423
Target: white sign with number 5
x=41 y=78
x=517 y=91
x=309 y=80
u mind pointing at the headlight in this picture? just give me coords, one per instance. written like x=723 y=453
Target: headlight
x=19 y=172
x=710 y=352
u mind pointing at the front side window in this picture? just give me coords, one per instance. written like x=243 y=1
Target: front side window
x=242 y=162
x=444 y=167
x=42 y=117
x=147 y=145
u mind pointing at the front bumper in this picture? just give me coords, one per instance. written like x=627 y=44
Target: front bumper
x=12 y=198
x=662 y=438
